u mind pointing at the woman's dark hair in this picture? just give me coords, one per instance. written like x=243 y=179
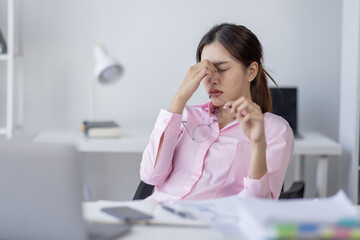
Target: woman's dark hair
x=244 y=46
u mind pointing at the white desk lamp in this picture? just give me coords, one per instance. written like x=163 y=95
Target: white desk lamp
x=107 y=71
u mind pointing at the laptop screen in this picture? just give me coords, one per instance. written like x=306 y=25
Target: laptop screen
x=284 y=103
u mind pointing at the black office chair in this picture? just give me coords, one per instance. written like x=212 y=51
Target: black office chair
x=143 y=191
x=296 y=191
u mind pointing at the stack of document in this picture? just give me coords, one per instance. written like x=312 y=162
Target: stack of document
x=252 y=218
x=328 y=218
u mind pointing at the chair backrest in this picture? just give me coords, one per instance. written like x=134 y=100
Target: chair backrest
x=296 y=191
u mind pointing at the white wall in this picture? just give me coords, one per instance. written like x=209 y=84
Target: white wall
x=156 y=43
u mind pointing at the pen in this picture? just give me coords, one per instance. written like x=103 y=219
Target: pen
x=177 y=212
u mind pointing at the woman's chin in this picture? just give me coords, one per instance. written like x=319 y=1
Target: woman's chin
x=216 y=102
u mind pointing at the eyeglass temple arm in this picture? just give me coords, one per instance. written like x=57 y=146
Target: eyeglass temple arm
x=212 y=94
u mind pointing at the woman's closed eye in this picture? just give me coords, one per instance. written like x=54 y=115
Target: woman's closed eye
x=222 y=70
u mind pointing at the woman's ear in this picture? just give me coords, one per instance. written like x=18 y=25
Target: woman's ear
x=252 y=71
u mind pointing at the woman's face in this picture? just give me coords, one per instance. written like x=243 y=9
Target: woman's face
x=231 y=81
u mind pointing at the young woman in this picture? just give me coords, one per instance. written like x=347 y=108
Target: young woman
x=230 y=145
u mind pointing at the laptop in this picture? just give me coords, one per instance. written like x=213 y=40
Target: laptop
x=284 y=104
x=40 y=195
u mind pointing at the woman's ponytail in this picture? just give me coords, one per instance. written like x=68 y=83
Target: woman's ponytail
x=260 y=92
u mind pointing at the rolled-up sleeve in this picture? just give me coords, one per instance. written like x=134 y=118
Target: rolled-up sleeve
x=279 y=153
x=167 y=125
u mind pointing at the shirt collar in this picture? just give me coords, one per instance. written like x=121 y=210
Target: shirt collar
x=209 y=107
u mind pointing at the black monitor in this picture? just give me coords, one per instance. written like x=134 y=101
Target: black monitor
x=284 y=104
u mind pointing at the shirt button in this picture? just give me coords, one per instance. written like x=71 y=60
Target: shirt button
x=166 y=121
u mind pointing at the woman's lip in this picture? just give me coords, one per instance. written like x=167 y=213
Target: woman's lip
x=217 y=93
x=214 y=93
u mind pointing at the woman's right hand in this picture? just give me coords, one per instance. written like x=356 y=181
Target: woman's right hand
x=200 y=71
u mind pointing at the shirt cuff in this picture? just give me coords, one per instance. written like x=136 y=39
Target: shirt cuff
x=258 y=187
x=169 y=121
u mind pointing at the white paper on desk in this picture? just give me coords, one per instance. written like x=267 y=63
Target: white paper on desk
x=220 y=213
x=231 y=214
x=320 y=210
x=259 y=215
x=219 y=210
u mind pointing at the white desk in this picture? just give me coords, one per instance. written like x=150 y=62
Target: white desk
x=135 y=141
x=130 y=141
x=151 y=232
x=91 y=212
x=314 y=143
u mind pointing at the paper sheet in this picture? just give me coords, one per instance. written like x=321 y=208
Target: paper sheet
x=319 y=210
x=230 y=214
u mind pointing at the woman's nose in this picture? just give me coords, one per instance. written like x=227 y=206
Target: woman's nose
x=214 y=79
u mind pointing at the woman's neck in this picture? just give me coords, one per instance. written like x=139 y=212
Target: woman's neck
x=224 y=116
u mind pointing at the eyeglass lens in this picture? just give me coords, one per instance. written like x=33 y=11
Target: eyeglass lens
x=202 y=132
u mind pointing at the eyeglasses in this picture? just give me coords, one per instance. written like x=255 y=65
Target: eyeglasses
x=202 y=132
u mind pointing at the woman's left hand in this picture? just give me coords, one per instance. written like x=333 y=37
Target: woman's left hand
x=250 y=118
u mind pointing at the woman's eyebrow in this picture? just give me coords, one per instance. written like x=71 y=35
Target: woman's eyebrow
x=216 y=64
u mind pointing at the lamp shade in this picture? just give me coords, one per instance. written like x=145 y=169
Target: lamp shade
x=107 y=69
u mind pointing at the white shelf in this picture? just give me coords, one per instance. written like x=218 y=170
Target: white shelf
x=3 y=57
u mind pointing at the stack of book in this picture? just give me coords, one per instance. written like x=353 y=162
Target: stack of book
x=104 y=129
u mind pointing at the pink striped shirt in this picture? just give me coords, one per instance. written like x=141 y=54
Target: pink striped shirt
x=216 y=167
